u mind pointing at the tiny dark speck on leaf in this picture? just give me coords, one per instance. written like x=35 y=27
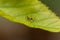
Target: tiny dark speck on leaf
x=30 y=19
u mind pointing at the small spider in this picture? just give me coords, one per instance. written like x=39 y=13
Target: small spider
x=30 y=19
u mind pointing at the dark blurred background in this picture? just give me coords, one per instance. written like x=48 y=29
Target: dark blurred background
x=16 y=31
x=54 y=5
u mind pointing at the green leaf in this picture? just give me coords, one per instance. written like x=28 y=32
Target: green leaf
x=32 y=13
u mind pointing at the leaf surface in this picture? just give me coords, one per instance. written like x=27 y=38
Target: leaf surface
x=32 y=13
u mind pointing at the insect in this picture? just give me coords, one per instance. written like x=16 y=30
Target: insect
x=42 y=17
x=30 y=19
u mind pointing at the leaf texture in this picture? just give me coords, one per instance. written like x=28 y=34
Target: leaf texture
x=32 y=13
